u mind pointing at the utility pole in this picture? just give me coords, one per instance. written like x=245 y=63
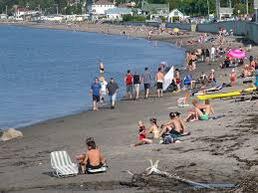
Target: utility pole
x=218 y=9
x=208 y=5
x=247 y=6
x=57 y=11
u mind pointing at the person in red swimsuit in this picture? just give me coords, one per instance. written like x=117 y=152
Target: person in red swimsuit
x=142 y=135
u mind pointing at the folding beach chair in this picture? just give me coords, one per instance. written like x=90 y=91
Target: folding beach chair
x=62 y=164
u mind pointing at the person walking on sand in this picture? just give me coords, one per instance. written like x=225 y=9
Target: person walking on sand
x=112 y=89
x=137 y=83
x=160 y=80
x=96 y=93
x=146 y=79
x=129 y=84
x=213 y=53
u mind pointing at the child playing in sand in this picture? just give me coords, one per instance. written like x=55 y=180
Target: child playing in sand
x=142 y=135
x=93 y=159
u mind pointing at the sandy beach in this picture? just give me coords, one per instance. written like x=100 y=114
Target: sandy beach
x=221 y=151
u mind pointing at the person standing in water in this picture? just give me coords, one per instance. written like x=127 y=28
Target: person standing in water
x=96 y=93
x=101 y=68
x=146 y=79
x=160 y=80
x=103 y=89
x=129 y=84
x=137 y=83
x=112 y=89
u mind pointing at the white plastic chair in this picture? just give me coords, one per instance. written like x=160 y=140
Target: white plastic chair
x=62 y=164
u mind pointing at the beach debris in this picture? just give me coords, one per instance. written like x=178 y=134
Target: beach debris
x=153 y=169
x=10 y=133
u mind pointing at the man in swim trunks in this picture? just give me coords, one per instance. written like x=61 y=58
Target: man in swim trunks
x=94 y=158
x=160 y=80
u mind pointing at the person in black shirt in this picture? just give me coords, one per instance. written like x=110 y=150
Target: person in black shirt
x=112 y=89
x=137 y=83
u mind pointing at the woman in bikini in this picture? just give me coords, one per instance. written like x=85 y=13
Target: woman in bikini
x=154 y=128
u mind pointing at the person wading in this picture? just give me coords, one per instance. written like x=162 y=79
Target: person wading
x=112 y=89
x=96 y=92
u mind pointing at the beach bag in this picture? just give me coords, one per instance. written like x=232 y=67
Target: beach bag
x=168 y=139
x=129 y=79
x=187 y=80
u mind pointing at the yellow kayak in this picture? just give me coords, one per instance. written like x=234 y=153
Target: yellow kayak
x=225 y=94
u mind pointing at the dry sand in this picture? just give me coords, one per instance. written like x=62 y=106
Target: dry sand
x=218 y=151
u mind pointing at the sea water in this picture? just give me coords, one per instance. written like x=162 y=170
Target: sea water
x=46 y=73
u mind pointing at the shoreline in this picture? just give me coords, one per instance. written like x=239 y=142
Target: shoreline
x=218 y=151
x=63 y=27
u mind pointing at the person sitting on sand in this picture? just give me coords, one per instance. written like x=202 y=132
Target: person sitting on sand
x=142 y=135
x=174 y=126
x=154 y=128
x=200 y=111
x=184 y=101
x=93 y=159
x=211 y=77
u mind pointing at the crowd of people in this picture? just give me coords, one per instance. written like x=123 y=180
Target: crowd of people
x=173 y=130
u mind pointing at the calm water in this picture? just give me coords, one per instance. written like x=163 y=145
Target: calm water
x=47 y=73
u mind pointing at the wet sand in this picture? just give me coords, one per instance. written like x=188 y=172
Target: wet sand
x=218 y=151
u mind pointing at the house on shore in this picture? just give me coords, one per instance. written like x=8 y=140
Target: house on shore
x=175 y=15
x=116 y=14
x=225 y=12
x=99 y=7
x=155 y=11
x=3 y=16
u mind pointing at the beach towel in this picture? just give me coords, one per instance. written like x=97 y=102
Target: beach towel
x=217 y=117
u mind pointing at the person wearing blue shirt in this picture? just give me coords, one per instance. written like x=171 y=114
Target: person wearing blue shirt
x=95 y=91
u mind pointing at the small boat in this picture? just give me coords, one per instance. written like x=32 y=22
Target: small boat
x=225 y=94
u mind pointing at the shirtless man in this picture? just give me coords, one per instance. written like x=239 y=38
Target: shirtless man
x=160 y=80
x=174 y=126
x=93 y=159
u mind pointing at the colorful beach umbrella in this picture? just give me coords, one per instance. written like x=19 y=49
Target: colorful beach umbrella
x=236 y=53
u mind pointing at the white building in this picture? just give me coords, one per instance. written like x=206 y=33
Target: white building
x=175 y=15
x=100 y=7
x=22 y=12
x=225 y=12
x=3 y=16
x=117 y=13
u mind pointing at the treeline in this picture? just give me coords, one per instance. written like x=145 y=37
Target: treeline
x=188 y=7
x=47 y=6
